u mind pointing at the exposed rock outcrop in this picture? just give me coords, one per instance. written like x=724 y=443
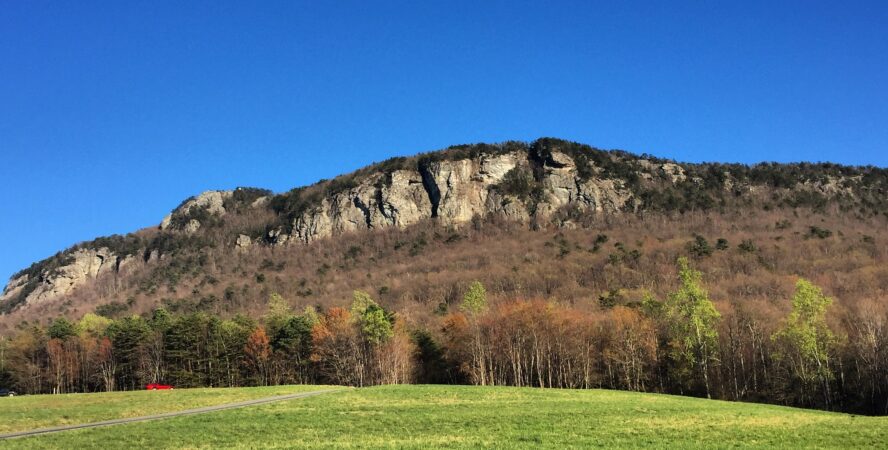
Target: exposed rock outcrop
x=260 y=202
x=212 y=201
x=192 y=226
x=464 y=185
x=126 y=263
x=83 y=265
x=276 y=237
x=382 y=200
x=564 y=187
x=14 y=287
x=243 y=242
x=671 y=172
x=453 y=192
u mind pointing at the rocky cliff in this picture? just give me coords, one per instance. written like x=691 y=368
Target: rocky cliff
x=548 y=181
x=79 y=267
x=455 y=191
x=451 y=191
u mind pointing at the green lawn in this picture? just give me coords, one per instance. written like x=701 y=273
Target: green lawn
x=442 y=416
x=41 y=411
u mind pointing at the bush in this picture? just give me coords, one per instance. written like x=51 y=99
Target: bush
x=129 y=244
x=611 y=298
x=819 y=233
x=111 y=310
x=747 y=246
x=520 y=182
x=699 y=247
x=243 y=197
x=202 y=214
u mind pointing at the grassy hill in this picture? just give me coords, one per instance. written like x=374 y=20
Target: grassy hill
x=461 y=416
x=42 y=411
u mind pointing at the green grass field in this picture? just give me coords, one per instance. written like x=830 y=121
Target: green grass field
x=449 y=416
x=41 y=411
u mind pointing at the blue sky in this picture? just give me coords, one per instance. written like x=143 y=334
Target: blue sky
x=111 y=114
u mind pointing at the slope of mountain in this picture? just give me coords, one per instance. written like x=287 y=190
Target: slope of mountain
x=225 y=244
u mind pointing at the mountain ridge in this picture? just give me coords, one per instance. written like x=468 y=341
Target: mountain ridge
x=547 y=182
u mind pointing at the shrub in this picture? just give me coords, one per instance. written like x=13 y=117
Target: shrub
x=243 y=197
x=747 y=246
x=819 y=233
x=520 y=182
x=111 y=310
x=699 y=247
x=611 y=298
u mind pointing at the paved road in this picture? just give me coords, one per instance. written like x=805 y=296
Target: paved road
x=259 y=401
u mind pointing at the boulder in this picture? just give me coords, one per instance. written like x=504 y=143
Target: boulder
x=243 y=242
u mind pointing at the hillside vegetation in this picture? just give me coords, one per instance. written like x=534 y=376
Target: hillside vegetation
x=546 y=183
x=472 y=417
x=580 y=269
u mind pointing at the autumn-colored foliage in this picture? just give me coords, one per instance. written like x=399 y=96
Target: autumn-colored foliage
x=257 y=352
x=740 y=335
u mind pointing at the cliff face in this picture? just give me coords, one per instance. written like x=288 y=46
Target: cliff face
x=455 y=191
x=80 y=267
x=517 y=181
x=452 y=191
x=211 y=202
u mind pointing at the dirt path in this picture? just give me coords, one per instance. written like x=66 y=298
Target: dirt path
x=104 y=423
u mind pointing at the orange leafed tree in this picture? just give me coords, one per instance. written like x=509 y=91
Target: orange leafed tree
x=631 y=348
x=257 y=351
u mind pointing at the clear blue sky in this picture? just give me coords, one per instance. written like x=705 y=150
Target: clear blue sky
x=111 y=114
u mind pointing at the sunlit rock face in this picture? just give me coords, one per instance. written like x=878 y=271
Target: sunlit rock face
x=84 y=265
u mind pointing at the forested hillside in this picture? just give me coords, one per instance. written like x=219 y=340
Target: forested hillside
x=547 y=264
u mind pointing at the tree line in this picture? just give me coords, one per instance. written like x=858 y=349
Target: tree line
x=680 y=344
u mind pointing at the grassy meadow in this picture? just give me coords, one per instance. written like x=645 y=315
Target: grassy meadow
x=459 y=417
x=40 y=411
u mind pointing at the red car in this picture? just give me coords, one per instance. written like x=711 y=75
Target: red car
x=155 y=386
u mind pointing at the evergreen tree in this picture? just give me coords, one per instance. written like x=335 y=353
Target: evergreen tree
x=62 y=329
x=128 y=349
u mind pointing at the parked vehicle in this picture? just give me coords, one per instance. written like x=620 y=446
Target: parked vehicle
x=155 y=387
x=6 y=393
